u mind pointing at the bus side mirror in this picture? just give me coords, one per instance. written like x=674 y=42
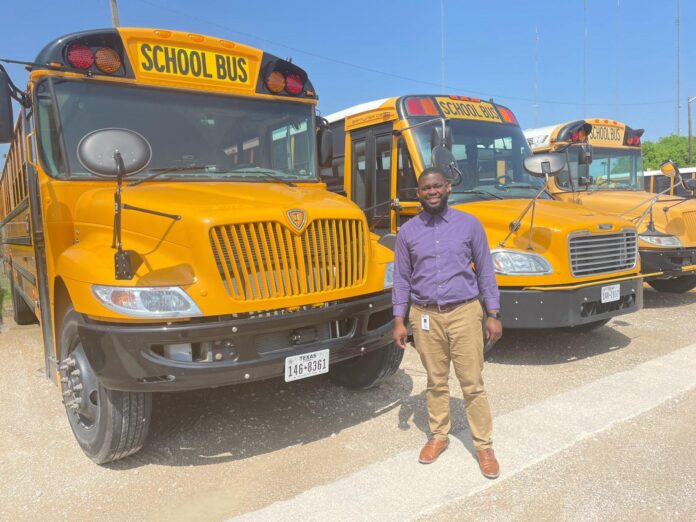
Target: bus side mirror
x=437 y=140
x=325 y=147
x=542 y=165
x=6 y=118
x=585 y=154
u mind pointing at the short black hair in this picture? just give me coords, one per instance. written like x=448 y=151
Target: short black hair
x=433 y=170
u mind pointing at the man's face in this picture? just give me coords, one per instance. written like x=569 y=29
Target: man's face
x=433 y=192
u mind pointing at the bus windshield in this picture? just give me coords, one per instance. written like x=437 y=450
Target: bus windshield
x=490 y=157
x=192 y=135
x=611 y=169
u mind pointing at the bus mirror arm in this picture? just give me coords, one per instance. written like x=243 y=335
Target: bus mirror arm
x=126 y=262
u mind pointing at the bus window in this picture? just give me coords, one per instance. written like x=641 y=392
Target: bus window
x=406 y=182
x=359 y=188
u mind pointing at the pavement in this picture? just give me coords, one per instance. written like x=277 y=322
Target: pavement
x=593 y=426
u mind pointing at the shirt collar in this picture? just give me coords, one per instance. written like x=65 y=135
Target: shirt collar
x=445 y=215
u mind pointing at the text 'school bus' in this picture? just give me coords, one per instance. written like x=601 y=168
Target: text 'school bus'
x=163 y=218
x=557 y=264
x=613 y=182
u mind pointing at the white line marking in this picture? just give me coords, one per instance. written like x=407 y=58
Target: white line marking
x=400 y=488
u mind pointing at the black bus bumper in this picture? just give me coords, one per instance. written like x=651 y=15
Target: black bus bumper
x=670 y=262
x=574 y=307
x=133 y=358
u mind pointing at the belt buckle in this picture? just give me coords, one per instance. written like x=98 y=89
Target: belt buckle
x=443 y=308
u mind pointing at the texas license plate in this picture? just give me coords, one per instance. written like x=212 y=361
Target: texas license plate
x=306 y=365
x=611 y=293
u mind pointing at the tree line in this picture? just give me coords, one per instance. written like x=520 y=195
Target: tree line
x=671 y=147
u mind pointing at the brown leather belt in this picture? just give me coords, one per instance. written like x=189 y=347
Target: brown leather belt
x=444 y=308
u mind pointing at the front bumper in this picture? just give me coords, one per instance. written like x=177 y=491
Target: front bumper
x=130 y=357
x=573 y=307
x=670 y=262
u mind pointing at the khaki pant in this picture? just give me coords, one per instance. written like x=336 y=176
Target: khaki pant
x=454 y=336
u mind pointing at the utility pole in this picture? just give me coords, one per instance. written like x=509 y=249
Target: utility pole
x=442 y=45
x=114 y=14
x=584 y=59
x=536 y=75
x=676 y=109
x=688 y=106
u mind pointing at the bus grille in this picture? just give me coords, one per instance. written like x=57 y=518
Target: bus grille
x=690 y=223
x=595 y=254
x=267 y=260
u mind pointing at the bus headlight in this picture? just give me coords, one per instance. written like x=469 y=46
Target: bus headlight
x=509 y=262
x=661 y=240
x=156 y=302
x=389 y=275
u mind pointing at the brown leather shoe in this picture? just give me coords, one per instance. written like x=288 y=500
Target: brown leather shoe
x=432 y=449
x=488 y=463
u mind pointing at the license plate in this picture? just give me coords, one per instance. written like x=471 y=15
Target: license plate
x=611 y=293
x=306 y=365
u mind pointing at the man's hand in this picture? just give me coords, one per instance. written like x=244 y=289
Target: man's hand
x=494 y=330
x=400 y=332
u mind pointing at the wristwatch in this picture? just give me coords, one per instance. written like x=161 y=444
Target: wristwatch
x=495 y=315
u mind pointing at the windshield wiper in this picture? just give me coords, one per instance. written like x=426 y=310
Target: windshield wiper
x=508 y=186
x=479 y=193
x=266 y=172
x=166 y=170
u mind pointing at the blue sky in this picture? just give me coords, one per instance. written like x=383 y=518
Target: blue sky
x=362 y=50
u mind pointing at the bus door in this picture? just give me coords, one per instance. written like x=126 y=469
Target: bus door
x=371 y=174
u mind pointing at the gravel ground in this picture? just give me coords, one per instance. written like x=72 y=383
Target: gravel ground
x=216 y=453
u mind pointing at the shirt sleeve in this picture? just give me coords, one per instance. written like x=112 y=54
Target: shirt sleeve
x=401 y=289
x=483 y=264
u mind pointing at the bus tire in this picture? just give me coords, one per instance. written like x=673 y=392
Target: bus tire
x=587 y=327
x=677 y=285
x=22 y=312
x=369 y=370
x=107 y=424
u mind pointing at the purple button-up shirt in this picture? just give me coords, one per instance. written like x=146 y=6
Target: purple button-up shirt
x=433 y=262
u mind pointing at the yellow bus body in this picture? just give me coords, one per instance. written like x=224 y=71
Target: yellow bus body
x=529 y=301
x=276 y=275
x=669 y=267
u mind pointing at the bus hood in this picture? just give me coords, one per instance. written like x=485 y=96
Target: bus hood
x=197 y=207
x=554 y=221
x=668 y=217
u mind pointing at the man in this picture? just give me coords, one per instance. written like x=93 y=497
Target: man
x=433 y=271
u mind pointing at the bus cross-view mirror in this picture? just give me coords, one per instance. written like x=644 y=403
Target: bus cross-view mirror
x=6 y=119
x=542 y=165
x=669 y=169
x=690 y=184
x=96 y=152
x=443 y=159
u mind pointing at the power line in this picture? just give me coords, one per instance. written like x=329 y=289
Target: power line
x=450 y=88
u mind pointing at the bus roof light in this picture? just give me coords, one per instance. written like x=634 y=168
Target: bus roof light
x=107 y=60
x=294 y=84
x=275 y=82
x=80 y=56
x=421 y=107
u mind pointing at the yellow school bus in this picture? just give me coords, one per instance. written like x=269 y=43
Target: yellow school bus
x=163 y=218
x=557 y=264
x=614 y=183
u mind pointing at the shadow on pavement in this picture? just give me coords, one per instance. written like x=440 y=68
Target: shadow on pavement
x=238 y=422
x=546 y=347
x=654 y=299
